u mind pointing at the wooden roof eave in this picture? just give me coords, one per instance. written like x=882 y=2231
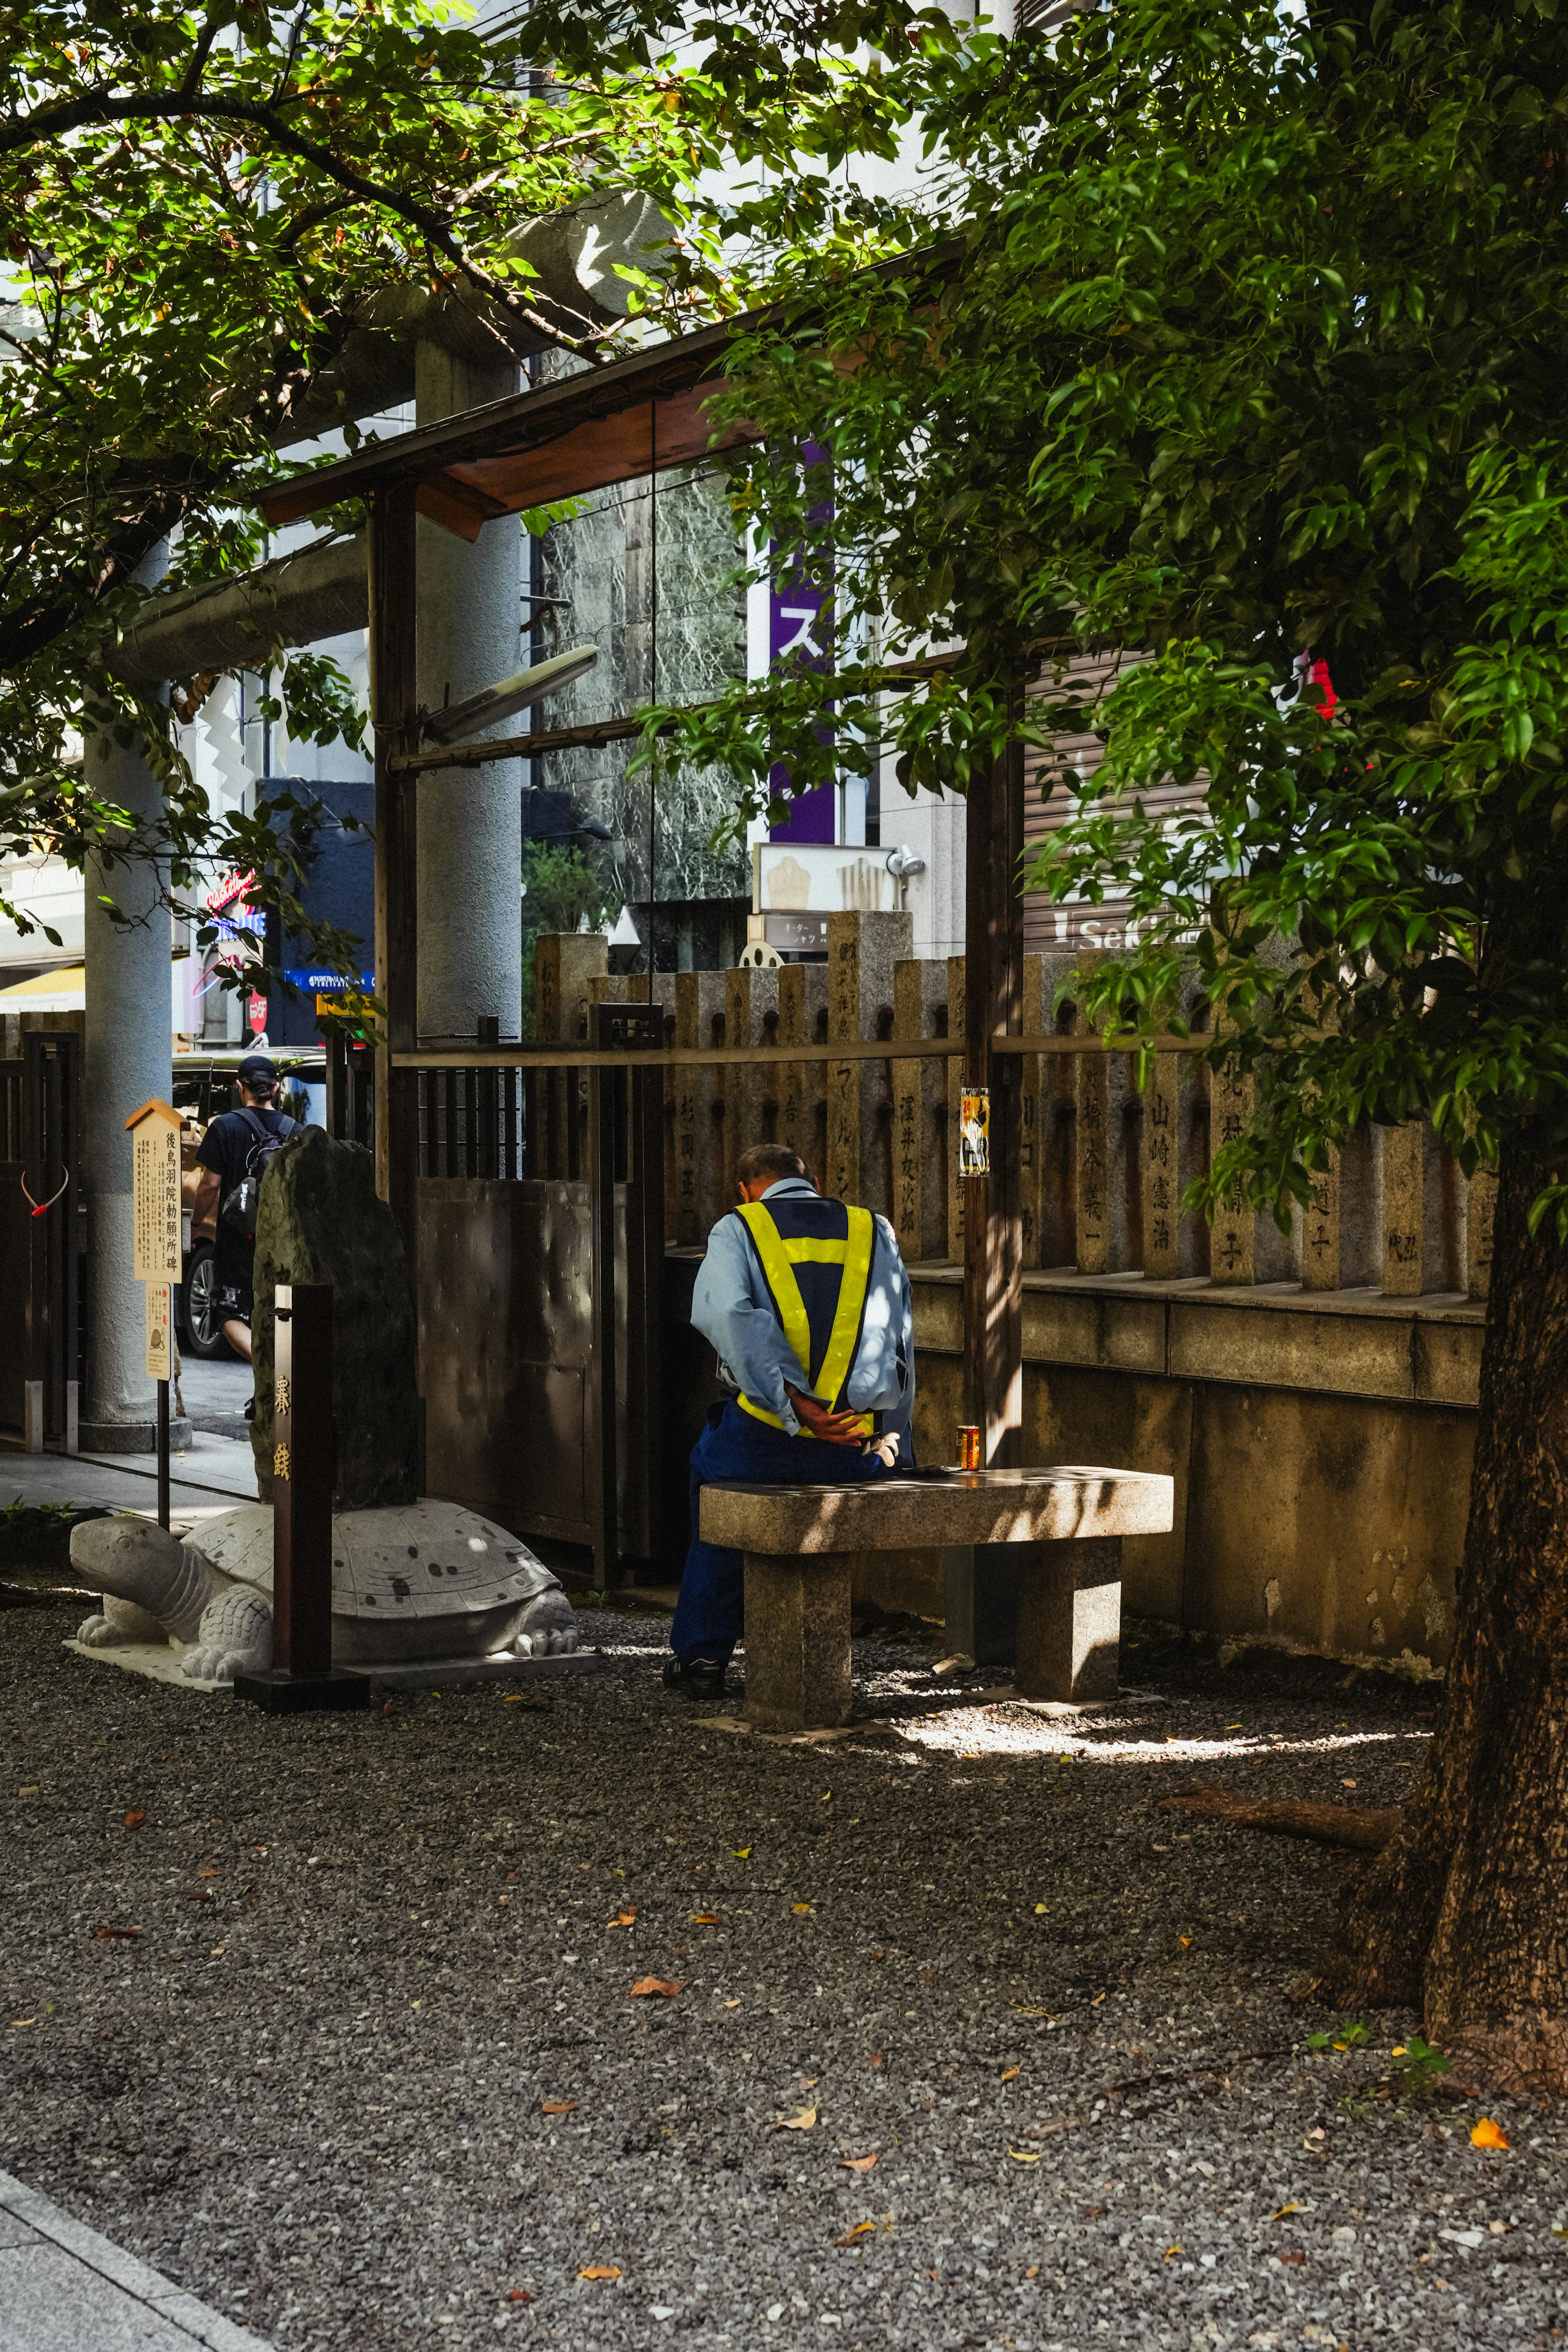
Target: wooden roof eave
x=634 y=415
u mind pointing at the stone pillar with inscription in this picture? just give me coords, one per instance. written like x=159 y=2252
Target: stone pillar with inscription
x=1337 y=1231
x=698 y=1148
x=750 y=1094
x=1056 y=1115
x=1232 y=1236
x=863 y=951
x=1420 y=1198
x=565 y=964
x=1103 y=1087
x=919 y=1113
x=1173 y=1155
x=802 y=1085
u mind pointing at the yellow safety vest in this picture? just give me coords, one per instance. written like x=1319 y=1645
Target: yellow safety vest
x=779 y=1259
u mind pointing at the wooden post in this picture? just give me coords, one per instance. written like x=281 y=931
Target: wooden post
x=393 y=705
x=993 y=998
x=301 y=1675
x=603 y=1481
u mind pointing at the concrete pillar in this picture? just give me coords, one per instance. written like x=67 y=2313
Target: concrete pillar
x=470 y=820
x=128 y=1055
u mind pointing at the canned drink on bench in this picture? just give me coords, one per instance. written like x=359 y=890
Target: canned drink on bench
x=968 y=1446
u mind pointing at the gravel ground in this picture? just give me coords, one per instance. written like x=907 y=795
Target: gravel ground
x=372 y=2072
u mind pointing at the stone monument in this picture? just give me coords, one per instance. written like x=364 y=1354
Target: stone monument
x=415 y=1580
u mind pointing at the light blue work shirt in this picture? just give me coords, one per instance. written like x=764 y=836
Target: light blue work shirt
x=732 y=1307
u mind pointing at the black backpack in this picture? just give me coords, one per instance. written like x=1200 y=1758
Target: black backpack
x=238 y=1206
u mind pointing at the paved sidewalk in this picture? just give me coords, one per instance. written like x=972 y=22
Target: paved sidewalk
x=210 y=1470
x=65 y=2289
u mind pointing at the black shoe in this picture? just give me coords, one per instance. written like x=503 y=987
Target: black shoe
x=697 y=1677
x=250 y=1408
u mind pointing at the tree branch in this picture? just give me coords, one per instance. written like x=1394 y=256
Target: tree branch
x=1367 y=1827
x=77 y=114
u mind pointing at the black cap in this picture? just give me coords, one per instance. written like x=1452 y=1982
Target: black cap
x=256 y=1070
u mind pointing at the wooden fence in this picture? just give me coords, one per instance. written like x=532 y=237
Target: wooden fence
x=1103 y=1165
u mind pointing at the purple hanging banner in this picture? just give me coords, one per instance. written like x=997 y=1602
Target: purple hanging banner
x=797 y=633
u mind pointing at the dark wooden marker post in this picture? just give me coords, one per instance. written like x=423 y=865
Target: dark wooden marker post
x=163 y=1442
x=301 y=1673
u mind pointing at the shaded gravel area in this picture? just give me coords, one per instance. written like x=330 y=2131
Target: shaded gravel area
x=373 y=2074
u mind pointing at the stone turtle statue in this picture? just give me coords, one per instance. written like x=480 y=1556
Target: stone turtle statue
x=423 y=1582
x=413 y=1580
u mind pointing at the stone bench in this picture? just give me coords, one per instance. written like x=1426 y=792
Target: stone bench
x=1057 y=1532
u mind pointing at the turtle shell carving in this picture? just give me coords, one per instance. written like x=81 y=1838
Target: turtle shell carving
x=415 y=1580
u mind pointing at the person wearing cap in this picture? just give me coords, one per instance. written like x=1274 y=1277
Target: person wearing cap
x=808 y=1304
x=236 y=1145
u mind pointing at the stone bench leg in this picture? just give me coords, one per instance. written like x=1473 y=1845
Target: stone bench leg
x=1070 y=1618
x=798 y=1641
x=981 y=1582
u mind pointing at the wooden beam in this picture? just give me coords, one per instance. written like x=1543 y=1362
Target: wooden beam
x=393 y=701
x=892 y=677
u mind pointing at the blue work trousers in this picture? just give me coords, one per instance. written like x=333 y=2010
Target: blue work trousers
x=741 y=1451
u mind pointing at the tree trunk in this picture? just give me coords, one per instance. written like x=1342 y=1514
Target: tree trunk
x=1465 y=1913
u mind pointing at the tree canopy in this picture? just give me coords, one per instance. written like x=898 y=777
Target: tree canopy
x=1252 y=344
x=197 y=199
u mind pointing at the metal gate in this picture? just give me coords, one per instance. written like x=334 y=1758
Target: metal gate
x=39 y=1149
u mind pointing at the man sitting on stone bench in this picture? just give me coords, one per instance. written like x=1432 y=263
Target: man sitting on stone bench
x=807 y=1302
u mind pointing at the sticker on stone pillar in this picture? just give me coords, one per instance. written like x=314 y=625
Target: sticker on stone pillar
x=974 y=1131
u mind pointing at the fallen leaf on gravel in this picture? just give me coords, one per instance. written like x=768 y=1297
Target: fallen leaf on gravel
x=878 y=2059
x=1287 y=2259
x=858 y=2163
x=24 y=2020
x=1186 y=1942
x=959 y=1664
x=627 y=1918
x=217 y=1952
x=858 y=2231
x=557 y=2106
x=109 y=1933
x=29 y=1792
x=707 y=1919
x=134 y=1821
x=741 y=1853
x=805 y=2121
x=653 y=1984
x=1280 y=2211
x=1032 y=2271
x=1347 y=1784
x=969 y=1755
x=600 y=2270
x=801 y=1910
x=209 y=1874
x=733 y=2004
x=1172 y=2250
x=1010 y=2074
x=1024 y=2156
x=519 y=2295
x=1488 y=2135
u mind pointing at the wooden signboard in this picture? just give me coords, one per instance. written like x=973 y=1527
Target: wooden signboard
x=155 y=1178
